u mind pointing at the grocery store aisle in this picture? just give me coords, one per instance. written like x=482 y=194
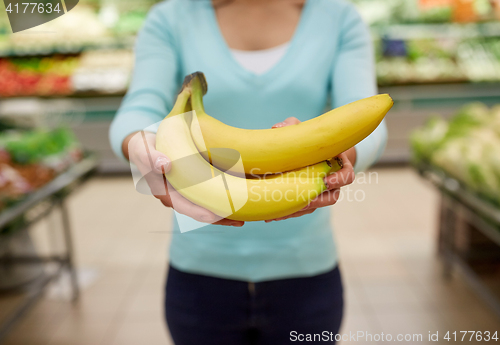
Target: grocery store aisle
x=386 y=234
x=391 y=270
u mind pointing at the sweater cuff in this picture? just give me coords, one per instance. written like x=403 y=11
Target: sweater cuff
x=363 y=159
x=369 y=150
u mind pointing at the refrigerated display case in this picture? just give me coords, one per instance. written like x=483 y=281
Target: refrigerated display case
x=39 y=169
x=433 y=56
x=461 y=157
x=59 y=68
x=18 y=218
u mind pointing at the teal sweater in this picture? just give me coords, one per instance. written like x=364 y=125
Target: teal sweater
x=330 y=58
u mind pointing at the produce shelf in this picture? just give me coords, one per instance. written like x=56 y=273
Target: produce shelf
x=60 y=185
x=110 y=43
x=462 y=92
x=437 y=31
x=460 y=209
x=31 y=209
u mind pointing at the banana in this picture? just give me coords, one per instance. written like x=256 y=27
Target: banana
x=226 y=195
x=277 y=150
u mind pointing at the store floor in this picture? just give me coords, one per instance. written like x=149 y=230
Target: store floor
x=386 y=236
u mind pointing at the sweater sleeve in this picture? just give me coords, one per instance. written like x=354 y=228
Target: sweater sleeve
x=154 y=81
x=353 y=78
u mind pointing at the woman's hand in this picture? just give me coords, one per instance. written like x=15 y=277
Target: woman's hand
x=334 y=182
x=140 y=148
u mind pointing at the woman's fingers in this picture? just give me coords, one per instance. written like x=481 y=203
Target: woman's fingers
x=156 y=183
x=327 y=198
x=186 y=207
x=162 y=164
x=198 y=213
x=230 y=222
x=288 y=122
x=343 y=177
x=149 y=157
x=153 y=165
x=142 y=152
x=180 y=204
x=334 y=181
x=294 y=215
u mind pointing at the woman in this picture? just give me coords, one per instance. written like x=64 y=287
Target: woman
x=267 y=62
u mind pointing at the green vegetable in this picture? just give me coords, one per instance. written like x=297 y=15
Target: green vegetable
x=467 y=147
x=32 y=146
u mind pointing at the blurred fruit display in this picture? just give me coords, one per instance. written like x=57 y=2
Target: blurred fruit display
x=435 y=41
x=438 y=60
x=58 y=58
x=417 y=41
x=58 y=75
x=36 y=76
x=107 y=24
x=467 y=147
x=31 y=158
x=388 y=12
x=105 y=71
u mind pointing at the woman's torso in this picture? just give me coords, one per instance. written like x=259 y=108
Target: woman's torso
x=257 y=24
x=298 y=85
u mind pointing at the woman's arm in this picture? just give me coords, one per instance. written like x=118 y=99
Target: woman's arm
x=353 y=78
x=150 y=98
x=154 y=82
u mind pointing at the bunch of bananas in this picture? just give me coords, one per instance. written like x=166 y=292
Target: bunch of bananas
x=253 y=175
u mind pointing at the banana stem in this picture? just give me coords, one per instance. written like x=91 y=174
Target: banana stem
x=336 y=164
x=197 y=95
x=181 y=102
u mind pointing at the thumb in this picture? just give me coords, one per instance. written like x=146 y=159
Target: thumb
x=156 y=160
x=162 y=163
x=288 y=122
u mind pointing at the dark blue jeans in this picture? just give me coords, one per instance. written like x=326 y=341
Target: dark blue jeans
x=204 y=310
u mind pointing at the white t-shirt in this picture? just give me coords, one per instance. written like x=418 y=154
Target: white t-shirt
x=260 y=61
